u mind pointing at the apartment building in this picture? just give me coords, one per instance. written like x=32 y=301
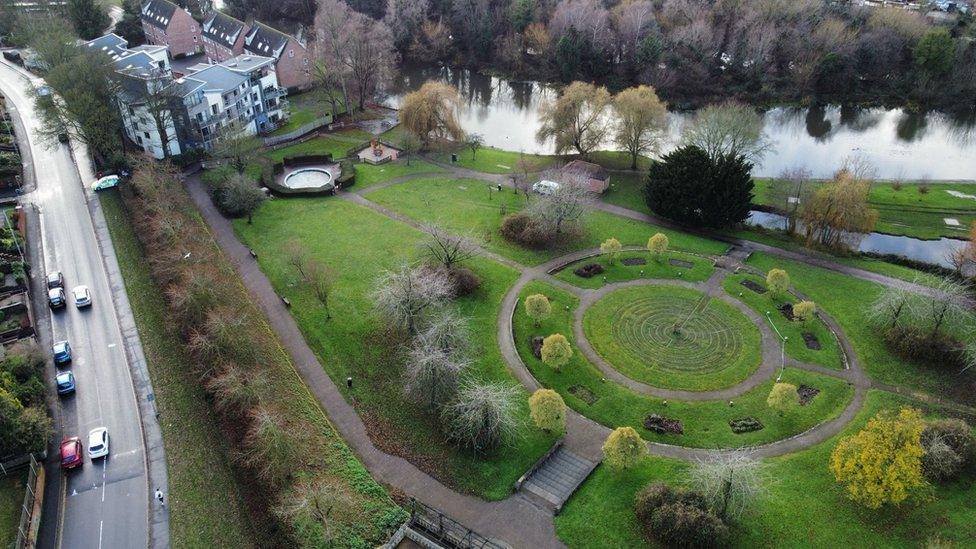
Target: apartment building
x=166 y=24
x=223 y=37
x=292 y=57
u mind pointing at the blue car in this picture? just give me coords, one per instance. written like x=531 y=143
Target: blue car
x=62 y=352
x=65 y=382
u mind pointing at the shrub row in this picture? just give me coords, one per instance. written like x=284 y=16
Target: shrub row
x=24 y=424
x=678 y=517
x=290 y=454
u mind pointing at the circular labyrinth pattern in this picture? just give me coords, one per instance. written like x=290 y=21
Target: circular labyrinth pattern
x=677 y=333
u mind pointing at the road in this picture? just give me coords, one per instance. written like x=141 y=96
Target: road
x=104 y=503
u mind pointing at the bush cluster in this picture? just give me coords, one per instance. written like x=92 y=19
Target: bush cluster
x=920 y=345
x=24 y=424
x=950 y=447
x=522 y=229
x=678 y=517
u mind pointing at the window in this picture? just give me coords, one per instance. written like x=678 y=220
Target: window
x=305 y=61
x=132 y=111
x=214 y=108
x=254 y=97
x=199 y=117
x=291 y=53
x=146 y=134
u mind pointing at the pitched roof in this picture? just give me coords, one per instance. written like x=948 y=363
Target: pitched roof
x=264 y=40
x=590 y=170
x=158 y=12
x=112 y=44
x=222 y=28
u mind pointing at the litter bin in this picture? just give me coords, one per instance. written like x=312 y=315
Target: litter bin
x=454 y=158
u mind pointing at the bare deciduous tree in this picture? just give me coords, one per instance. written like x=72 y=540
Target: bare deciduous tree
x=403 y=297
x=947 y=305
x=270 y=448
x=319 y=278
x=447 y=249
x=789 y=192
x=368 y=54
x=893 y=304
x=565 y=205
x=482 y=415
x=297 y=256
x=319 y=500
x=235 y=388
x=432 y=374
x=589 y=17
x=728 y=129
x=730 y=482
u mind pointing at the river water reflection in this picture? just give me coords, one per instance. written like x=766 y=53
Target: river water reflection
x=900 y=144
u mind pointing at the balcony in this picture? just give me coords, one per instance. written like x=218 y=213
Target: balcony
x=274 y=93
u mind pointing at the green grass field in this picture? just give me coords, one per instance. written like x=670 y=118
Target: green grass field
x=206 y=506
x=634 y=330
x=467 y=206
x=705 y=423
x=661 y=267
x=828 y=355
x=491 y=160
x=359 y=245
x=802 y=506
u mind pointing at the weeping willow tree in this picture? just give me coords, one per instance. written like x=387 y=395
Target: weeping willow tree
x=837 y=209
x=431 y=112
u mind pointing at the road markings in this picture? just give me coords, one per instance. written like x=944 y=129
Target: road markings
x=104 y=466
x=101 y=523
x=111 y=345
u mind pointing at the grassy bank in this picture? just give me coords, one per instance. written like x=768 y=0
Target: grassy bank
x=12 y=491
x=206 y=505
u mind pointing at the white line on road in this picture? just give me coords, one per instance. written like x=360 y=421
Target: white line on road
x=100 y=524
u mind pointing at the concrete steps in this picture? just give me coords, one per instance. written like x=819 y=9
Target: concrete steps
x=557 y=478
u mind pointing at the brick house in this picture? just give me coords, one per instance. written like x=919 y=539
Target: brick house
x=167 y=24
x=223 y=37
x=293 y=61
x=597 y=178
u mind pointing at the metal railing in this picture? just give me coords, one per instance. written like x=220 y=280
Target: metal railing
x=26 y=530
x=444 y=530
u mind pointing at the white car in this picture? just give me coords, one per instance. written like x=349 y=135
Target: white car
x=82 y=296
x=98 y=443
x=106 y=182
x=545 y=186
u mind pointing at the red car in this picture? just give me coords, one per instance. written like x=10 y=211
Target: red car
x=71 y=453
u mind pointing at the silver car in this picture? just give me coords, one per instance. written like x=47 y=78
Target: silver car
x=82 y=296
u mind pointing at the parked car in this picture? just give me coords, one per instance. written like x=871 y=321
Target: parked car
x=62 y=352
x=106 y=182
x=55 y=280
x=98 y=443
x=545 y=186
x=65 y=382
x=82 y=296
x=71 y=453
x=56 y=298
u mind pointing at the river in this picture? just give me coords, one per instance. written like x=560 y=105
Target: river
x=900 y=144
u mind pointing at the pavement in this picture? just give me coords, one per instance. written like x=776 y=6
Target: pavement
x=104 y=503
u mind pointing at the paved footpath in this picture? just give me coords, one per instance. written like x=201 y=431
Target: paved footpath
x=514 y=520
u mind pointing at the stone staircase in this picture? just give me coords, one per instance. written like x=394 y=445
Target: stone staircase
x=553 y=480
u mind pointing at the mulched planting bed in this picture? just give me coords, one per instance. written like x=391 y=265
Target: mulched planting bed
x=807 y=393
x=811 y=341
x=787 y=310
x=681 y=263
x=537 y=346
x=662 y=425
x=745 y=425
x=583 y=394
x=589 y=270
x=631 y=261
x=754 y=286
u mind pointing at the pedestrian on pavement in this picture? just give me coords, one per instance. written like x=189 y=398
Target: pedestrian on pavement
x=159 y=497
